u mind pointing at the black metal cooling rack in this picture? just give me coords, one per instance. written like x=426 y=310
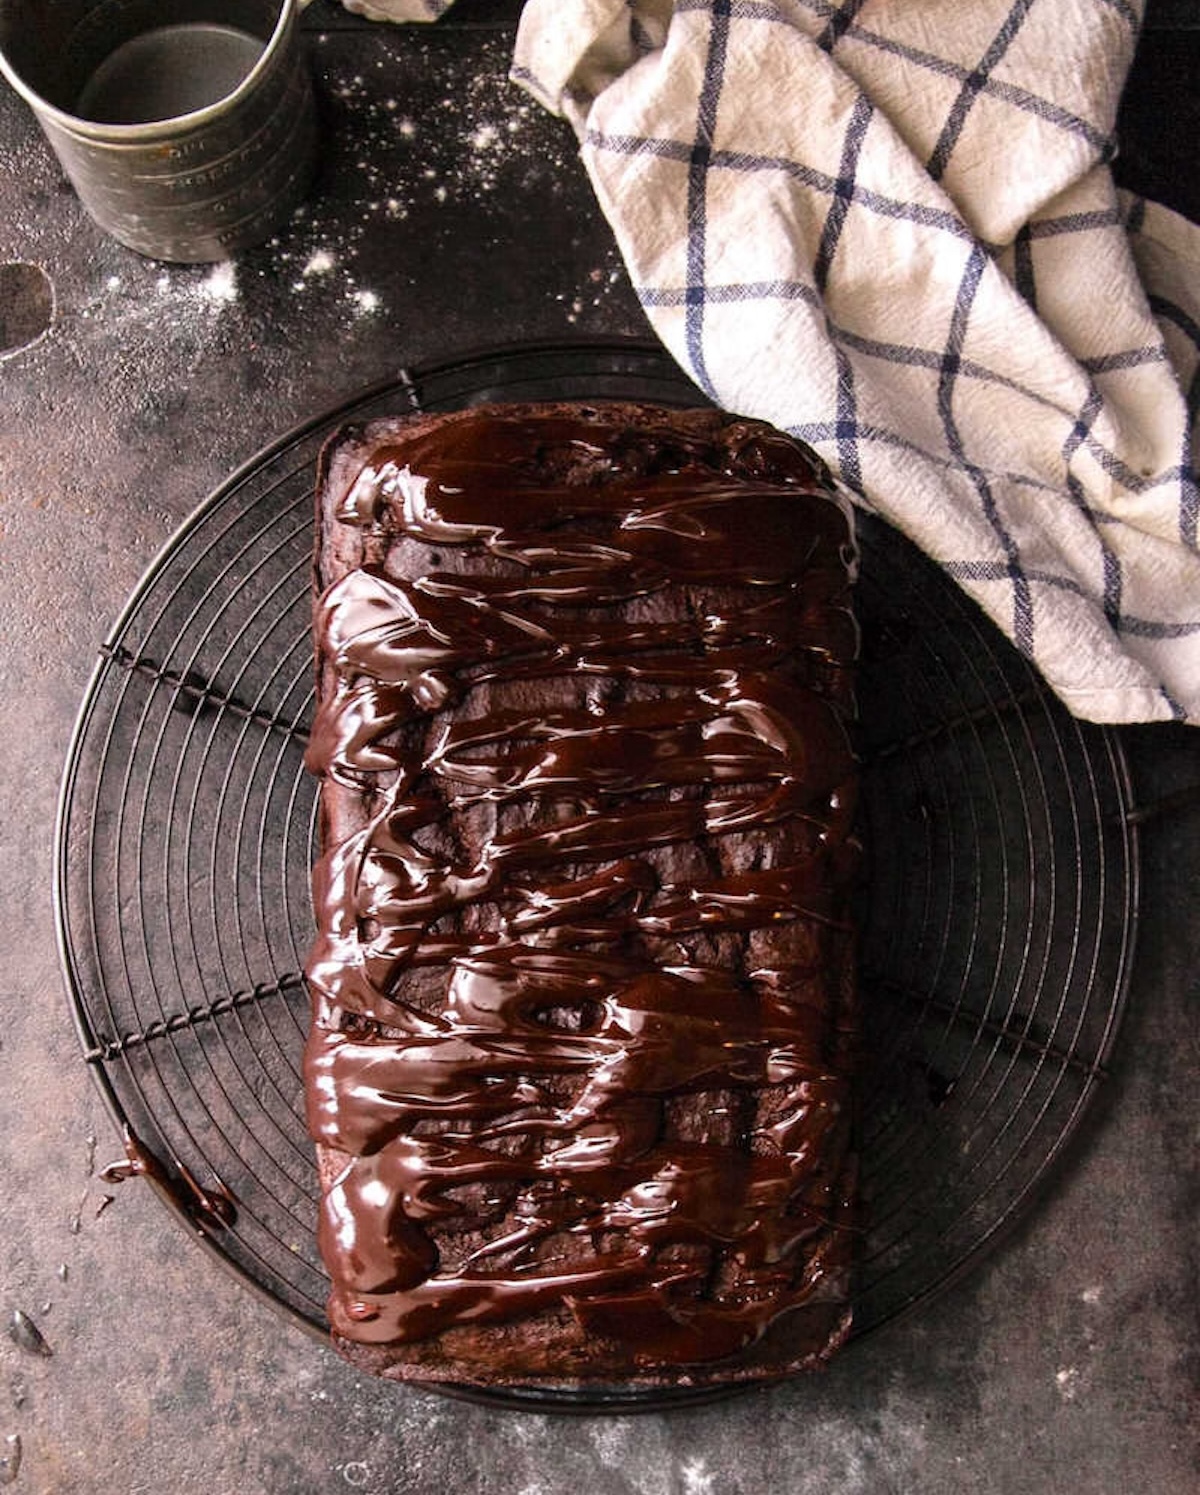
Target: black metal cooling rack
x=997 y=921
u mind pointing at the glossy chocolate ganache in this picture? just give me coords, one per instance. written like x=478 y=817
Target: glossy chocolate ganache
x=579 y=1070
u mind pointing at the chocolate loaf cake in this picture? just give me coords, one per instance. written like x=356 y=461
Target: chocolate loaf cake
x=579 y=1070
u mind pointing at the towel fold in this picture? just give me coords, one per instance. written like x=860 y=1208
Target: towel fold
x=891 y=229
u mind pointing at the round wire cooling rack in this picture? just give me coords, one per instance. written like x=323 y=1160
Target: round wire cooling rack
x=997 y=917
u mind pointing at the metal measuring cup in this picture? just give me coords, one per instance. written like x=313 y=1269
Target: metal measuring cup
x=187 y=127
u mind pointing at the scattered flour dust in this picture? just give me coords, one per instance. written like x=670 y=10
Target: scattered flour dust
x=218 y=286
x=644 y=1454
x=319 y=263
x=696 y=1478
x=221 y=283
x=462 y=146
x=484 y=138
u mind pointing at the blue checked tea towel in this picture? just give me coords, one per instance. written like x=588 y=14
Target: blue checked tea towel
x=889 y=228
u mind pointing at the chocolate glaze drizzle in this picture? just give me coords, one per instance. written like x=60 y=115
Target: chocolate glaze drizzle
x=582 y=1007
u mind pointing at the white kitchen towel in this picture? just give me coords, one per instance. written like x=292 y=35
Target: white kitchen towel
x=890 y=228
x=395 y=10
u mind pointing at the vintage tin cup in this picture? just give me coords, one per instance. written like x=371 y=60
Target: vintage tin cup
x=187 y=127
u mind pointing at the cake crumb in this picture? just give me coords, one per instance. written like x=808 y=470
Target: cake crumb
x=10 y=1460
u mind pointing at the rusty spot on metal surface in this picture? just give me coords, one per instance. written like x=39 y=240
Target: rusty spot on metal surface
x=26 y=305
